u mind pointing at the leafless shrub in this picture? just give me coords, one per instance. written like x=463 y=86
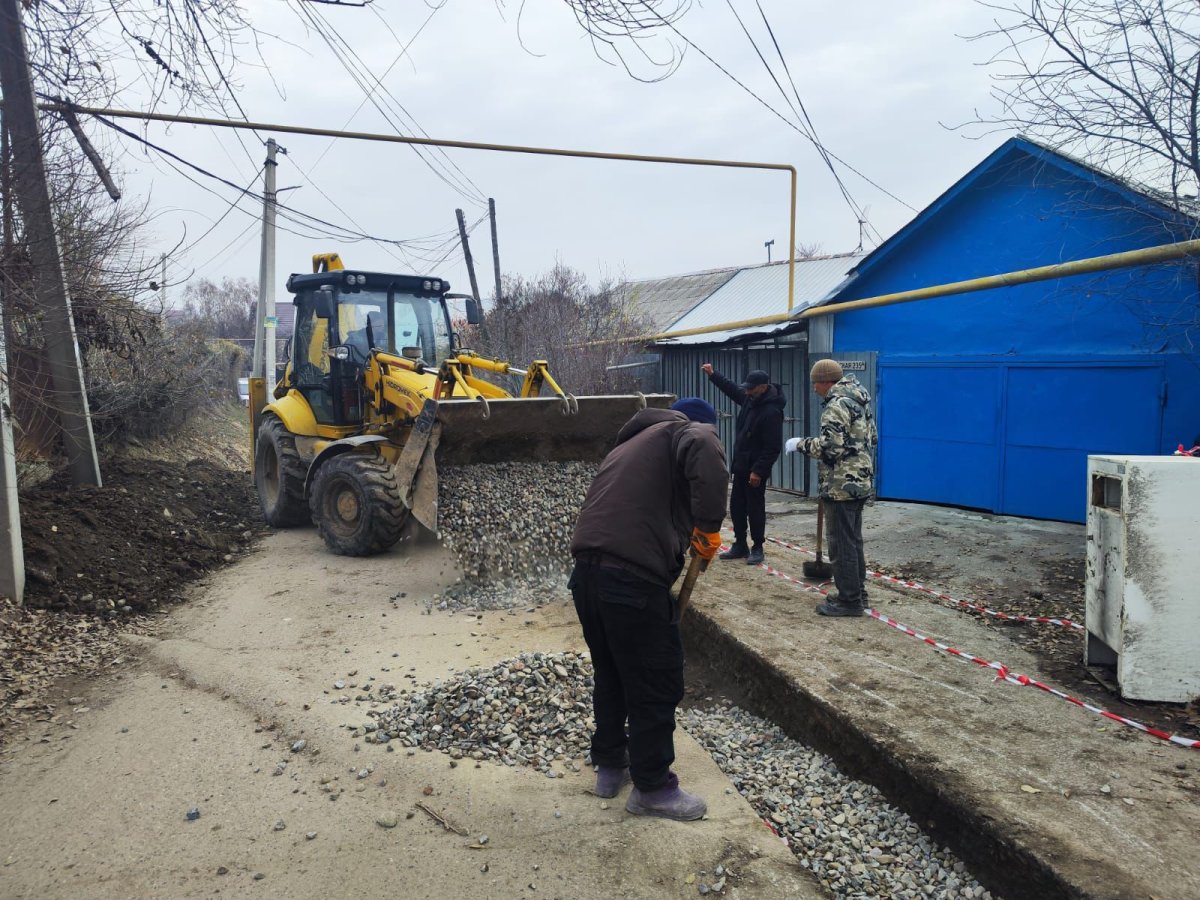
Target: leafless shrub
x=148 y=394
x=554 y=317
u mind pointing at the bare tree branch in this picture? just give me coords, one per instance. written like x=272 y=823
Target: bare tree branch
x=1113 y=82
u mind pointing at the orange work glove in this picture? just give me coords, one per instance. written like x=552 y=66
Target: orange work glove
x=705 y=544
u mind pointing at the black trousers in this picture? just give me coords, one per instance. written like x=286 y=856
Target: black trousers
x=748 y=503
x=632 y=630
x=843 y=520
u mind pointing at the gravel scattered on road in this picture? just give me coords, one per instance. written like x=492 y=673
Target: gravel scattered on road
x=843 y=831
x=533 y=710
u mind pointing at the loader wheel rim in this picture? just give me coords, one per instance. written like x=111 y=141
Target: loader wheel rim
x=346 y=505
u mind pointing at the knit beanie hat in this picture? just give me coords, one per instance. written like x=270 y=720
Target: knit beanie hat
x=826 y=371
x=696 y=409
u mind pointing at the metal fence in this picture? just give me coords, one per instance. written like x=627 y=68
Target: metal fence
x=787 y=364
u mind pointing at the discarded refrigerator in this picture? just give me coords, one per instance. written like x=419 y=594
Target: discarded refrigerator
x=1143 y=574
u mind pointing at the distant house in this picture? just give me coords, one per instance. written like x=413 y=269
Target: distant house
x=745 y=293
x=993 y=400
x=658 y=302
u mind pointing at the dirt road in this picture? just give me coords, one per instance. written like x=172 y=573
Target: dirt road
x=203 y=714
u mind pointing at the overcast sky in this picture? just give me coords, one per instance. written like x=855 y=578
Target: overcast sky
x=879 y=79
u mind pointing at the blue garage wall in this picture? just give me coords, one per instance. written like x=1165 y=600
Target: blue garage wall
x=1027 y=380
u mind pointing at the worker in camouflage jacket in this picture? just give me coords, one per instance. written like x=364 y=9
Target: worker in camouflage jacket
x=845 y=455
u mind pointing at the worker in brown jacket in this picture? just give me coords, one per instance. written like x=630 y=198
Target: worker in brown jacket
x=661 y=489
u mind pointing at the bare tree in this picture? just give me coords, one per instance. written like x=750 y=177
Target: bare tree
x=1114 y=82
x=221 y=311
x=87 y=49
x=551 y=318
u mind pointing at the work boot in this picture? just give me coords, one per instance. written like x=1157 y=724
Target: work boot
x=737 y=550
x=668 y=802
x=756 y=555
x=834 y=607
x=610 y=780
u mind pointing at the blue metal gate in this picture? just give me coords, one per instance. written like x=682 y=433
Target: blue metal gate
x=1011 y=438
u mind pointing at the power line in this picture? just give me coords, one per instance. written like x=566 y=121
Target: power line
x=232 y=205
x=344 y=54
x=284 y=209
x=762 y=102
x=821 y=148
x=403 y=52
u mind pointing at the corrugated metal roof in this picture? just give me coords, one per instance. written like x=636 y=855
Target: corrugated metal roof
x=762 y=291
x=660 y=301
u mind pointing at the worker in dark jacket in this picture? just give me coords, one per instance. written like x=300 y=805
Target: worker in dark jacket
x=756 y=445
x=661 y=489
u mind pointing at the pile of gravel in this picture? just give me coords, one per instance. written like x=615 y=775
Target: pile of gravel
x=532 y=710
x=844 y=831
x=509 y=527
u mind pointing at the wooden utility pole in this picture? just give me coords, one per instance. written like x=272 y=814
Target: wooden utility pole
x=495 y=245
x=466 y=248
x=50 y=292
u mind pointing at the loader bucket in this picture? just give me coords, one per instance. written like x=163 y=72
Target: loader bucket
x=535 y=430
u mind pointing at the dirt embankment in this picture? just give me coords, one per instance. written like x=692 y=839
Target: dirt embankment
x=96 y=559
x=133 y=543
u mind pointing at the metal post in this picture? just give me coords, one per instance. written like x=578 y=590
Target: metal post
x=495 y=245
x=33 y=194
x=266 y=274
x=12 y=556
x=466 y=248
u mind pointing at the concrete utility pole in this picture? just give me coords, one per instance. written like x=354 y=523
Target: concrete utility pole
x=265 y=320
x=466 y=248
x=33 y=196
x=495 y=245
x=12 y=555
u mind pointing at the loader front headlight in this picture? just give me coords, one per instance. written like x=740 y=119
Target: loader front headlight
x=339 y=353
x=427 y=285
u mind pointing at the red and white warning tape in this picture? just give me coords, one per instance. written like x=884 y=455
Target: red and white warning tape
x=966 y=604
x=1003 y=673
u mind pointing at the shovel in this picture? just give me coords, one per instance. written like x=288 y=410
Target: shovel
x=695 y=567
x=818 y=568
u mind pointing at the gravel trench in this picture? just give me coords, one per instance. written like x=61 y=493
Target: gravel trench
x=509 y=526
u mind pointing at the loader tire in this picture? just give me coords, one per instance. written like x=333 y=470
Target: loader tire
x=356 y=504
x=279 y=476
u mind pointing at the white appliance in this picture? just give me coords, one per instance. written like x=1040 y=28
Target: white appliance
x=1143 y=574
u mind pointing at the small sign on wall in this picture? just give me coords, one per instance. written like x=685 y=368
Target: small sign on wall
x=854 y=365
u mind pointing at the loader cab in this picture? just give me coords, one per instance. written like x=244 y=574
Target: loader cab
x=361 y=311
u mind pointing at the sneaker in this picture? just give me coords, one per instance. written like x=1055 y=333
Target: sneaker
x=830 y=608
x=610 y=780
x=668 y=802
x=756 y=555
x=738 y=550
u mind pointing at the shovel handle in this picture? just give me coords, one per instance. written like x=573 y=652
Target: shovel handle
x=820 y=525
x=695 y=567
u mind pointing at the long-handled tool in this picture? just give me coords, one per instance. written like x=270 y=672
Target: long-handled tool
x=818 y=568
x=695 y=567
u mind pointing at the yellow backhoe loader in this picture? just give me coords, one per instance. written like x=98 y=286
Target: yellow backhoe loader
x=378 y=390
